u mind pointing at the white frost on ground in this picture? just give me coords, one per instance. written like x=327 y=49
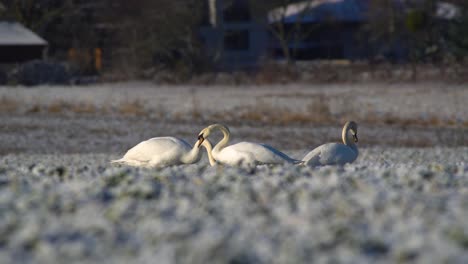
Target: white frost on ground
x=391 y=205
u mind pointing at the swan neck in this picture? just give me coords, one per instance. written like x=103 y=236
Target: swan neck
x=192 y=156
x=346 y=140
x=223 y=142
x=207 y=145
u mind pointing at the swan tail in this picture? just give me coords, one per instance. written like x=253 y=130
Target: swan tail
x=298 y=162
x=117 y=161
x=134 y=163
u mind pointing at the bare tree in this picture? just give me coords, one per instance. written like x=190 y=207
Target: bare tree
x=456 y=33
x=416 y=25
x=34 y=14
x=155 y=31
x=273 y=15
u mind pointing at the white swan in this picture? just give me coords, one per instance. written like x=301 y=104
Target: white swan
x=244 y=154
x=336 y=153
x=163 y=151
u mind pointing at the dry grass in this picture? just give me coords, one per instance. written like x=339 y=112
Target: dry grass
x=392 y=119
x=254 y=115
x=58 y=107
x=134 y=108
x=65 y=107
x=318 y=111
x=8 y=105
x=85 y=108
x=331 y=71
x=33 y=109
x=272 y=73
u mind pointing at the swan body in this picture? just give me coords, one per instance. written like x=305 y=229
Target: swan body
x=161 y=152
x=335 y=153
x=243 y=154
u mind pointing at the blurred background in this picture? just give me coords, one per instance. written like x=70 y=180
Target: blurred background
x=288 y=73
x=253 y=41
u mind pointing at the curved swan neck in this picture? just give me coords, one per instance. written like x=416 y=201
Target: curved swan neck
x=226 y=137
x=193 y=155
x=344 y=135
x=207 y=145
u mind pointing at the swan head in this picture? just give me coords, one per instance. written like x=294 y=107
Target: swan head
x=207 y=131
x=352 y=127
x=200 y=140
x=203 y=134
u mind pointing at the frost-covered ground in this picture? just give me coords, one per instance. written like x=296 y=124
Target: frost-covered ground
x=392 y=205
x=404 y=200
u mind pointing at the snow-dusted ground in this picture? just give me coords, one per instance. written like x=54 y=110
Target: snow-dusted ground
x=62 y=202
x=391 y=205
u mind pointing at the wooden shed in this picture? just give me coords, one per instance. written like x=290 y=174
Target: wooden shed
x=19 y=44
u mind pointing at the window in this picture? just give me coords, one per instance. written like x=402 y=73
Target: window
x=236 y=40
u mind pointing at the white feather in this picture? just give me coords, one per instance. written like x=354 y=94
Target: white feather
x=159 y=152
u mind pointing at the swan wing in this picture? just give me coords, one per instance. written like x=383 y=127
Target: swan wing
x=338 y=154
x=147 y=150
x=281 y=154
x=330 y=154
x=261 y=153
x=233 y=156
x=313 y=157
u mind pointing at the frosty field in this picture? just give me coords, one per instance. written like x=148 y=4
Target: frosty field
x=404 y=200
x=397 y=205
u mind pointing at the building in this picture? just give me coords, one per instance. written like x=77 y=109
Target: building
x=231 y=36
x=19 y=44
x=322 y=29
x=312 y=30
x=328 y=30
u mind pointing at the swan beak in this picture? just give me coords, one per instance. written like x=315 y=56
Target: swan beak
x=355 y=137
x=200 y=139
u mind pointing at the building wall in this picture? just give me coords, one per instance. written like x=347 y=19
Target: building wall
x=20 y=53
x=236 y=40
